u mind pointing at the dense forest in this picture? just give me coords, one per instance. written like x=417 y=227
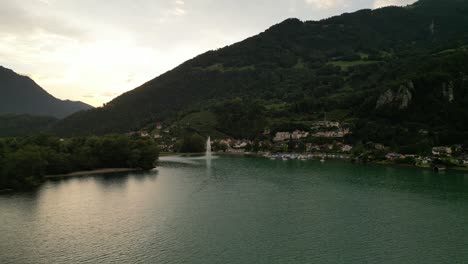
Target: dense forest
x=25 y=161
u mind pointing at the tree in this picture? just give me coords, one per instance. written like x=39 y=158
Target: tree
x=241 y=119
x=193 y=144
x=291 y=144
x=24 y=161
x=301 y=147
x=220 y=146
x=25 y=167
x=144 y=154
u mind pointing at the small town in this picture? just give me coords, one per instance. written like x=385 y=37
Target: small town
x=325 y=140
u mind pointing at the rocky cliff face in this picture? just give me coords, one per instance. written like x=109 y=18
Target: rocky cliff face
x=400 y=98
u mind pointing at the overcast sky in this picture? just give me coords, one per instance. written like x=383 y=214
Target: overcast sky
x=92 y=50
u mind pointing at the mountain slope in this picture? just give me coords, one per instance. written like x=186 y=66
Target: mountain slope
x=21 y=95
x=18 y=125
x=344 y=63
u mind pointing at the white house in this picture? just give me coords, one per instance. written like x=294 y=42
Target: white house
x=438 y=151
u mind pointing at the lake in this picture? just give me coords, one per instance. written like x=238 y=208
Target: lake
x=242 y=210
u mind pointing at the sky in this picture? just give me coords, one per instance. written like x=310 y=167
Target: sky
x=93 y=51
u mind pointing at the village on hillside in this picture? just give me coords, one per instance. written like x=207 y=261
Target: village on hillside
x=324 y=140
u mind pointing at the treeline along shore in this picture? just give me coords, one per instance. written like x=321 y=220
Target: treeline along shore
x=26 y=162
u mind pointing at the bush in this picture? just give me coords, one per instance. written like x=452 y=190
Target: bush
x=193 y=144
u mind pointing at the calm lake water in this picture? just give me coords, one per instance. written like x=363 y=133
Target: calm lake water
x=242 y=210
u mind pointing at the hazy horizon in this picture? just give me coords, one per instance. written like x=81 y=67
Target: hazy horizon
x=93 y=51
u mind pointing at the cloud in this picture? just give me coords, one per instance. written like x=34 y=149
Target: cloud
x=383 y=3
x=109 y=94
x=47 y=2
x=292 y=6
x=326 y=4
x=14 y=19
x=179 y=9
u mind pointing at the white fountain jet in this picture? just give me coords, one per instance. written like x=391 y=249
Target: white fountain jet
x=208 y=148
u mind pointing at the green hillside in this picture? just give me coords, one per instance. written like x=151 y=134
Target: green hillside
x=390 y=72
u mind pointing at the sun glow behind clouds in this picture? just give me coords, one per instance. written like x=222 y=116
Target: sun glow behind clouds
x=327 y=4
x=113 y=67
x=94 y=72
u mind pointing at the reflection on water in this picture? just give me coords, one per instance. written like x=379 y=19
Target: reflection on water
x=208 y=163
x=241 y=210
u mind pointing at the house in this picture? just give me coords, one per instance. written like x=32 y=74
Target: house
x=326 y=147
x=281 y=136
x=439 y=168
x=442 y=151
x=463 y=160
x=326 y=124
x=229 y=142
x=240 y=145
x=423 y=132
x=379 y=147
x=299 y=134
x=346 y=148
x=332 y=134
x=393 y=156
x=311 y=147
x=164 y=147
x=424 y=160
x=144 y=134
x=158 y=126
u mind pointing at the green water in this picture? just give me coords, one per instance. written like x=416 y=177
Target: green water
x=242 y=210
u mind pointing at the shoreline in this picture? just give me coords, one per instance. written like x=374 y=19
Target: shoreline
x=89 y=173
x=346 y=158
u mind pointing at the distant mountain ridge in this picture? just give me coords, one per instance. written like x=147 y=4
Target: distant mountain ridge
x=21 y=95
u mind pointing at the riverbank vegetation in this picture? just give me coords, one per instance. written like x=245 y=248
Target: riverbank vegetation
x=25 y=161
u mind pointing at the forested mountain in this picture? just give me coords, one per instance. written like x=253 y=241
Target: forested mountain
x=391 y=72
x=21 y=95
x=14 y=125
